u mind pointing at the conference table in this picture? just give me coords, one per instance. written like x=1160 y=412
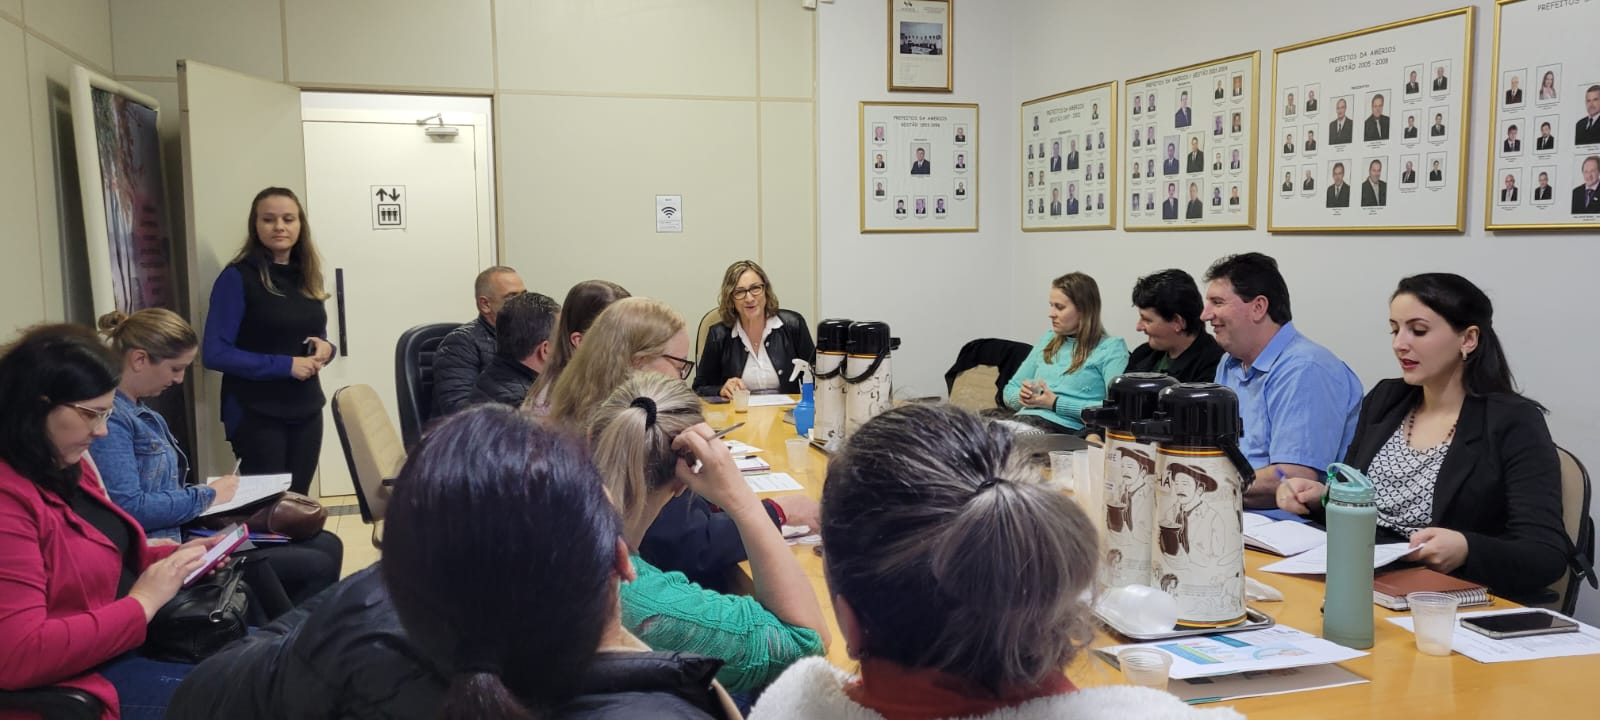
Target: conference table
x=1404 y=683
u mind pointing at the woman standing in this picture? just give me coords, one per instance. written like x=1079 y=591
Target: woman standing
x=266 y=333
x=755 y=344
x=1072 y=364
x=1463 y=464
x=145 y=473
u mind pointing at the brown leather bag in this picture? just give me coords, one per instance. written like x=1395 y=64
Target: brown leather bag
x=291 y=514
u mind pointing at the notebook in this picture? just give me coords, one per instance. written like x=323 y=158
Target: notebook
x=1281 y=537
x=1389 y=589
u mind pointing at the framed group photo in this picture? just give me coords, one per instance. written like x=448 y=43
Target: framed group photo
x=1068 y=160
x=919 y=45
x=1369 y=128
x=1191 y=146
x=1544 y=109
x=919 y=167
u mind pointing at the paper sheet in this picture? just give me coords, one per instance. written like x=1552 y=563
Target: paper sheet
x=1273 y=648
x=1315 y=560
x=773 y=482
x=1196 y=691
x=752 y=464
x=771 y=400
x=1586 y=641
x=739 y=449
x=251 y=489
x=1281 y=537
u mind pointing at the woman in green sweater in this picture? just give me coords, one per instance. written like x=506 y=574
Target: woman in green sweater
x=651 y=443
x=1072 y=365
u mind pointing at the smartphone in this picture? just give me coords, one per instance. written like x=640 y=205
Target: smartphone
x=311 y=349
x=233 y=536
x=714 y=399
x=1519 y=624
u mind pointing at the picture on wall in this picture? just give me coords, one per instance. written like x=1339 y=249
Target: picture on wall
x=1191 y=146
x=919 y=167
x=1545 y=110
x=920 y=53
x=1377 y=119
x=1068 y=160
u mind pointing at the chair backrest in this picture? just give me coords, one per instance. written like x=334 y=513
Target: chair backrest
x=413 y=376
x=973 y=388
x=712 y=317
x=1002 y=356
x=1575 y=518
x=371 y=446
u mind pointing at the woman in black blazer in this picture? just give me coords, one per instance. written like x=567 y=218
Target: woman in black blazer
x=1463 y=465
x=755 y=344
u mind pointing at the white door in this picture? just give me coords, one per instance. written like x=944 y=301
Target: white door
x=392 y=262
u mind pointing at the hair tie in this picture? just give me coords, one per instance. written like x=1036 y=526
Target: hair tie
x=989 y=482
x=480 y=667
x=649 y=406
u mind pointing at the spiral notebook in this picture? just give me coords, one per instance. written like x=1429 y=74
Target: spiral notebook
x=1389 y=589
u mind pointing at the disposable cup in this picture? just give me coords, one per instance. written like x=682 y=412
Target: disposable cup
x=1433 y=618
x=1061 y=469
x=1145 y=667
x=1080 y=475
x=799 y=454
x=741 y=401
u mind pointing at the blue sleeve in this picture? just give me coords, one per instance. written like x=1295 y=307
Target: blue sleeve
x=1026 y=371
x=1109 y=360
x=220 y=350
x=1309 y=407
x=119 y=470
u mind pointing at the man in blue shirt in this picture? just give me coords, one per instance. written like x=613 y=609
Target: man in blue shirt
x=1298 y=401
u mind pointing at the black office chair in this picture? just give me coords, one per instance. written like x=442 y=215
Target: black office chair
x=56 y=703
x=413 y=377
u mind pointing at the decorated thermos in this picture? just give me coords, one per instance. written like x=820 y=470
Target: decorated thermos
x=1130 y=477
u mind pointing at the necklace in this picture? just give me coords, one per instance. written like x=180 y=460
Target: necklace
x=1411 y=422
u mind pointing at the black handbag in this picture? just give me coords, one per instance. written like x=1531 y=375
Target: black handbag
x=201 y=618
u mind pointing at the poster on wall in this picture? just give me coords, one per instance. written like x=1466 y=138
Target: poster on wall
x=919 y=167
x=1369 y=128
x=1068 y=160
x=1544 y=144
x=1191 y=142
x=124 y=200
x=919 y=45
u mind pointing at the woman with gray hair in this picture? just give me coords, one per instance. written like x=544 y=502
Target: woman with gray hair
x=957 y=583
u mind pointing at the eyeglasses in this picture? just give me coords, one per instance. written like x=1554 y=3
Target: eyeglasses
x=96 y=416
x=752 y=291
x=684 y=366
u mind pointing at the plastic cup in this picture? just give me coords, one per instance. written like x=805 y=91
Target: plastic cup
x=1139 y=608
x=1145 y=667
x=716 y=419
x=1080 y=474
x=1061 y=469
x=1433 y=618
x=741 y=401
x=799 y=454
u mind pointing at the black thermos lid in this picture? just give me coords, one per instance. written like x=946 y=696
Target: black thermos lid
x=1131 y=397
x=870 y=339
x=1193 y=414
x=832 y=335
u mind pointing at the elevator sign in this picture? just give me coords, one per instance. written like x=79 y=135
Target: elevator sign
x=388 y=207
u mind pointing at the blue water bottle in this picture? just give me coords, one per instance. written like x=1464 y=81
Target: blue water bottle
x=1352 y=519
x=806 y=412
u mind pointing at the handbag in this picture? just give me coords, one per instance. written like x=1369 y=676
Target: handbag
x=290 y=514
x=201 y=618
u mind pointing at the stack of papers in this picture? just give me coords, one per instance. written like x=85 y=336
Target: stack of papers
x=773 y=482
x=252 y=488
x=1280 y=537
x=1196 y=691
x=752 y=464
x=771 y=400
x=740 y=449
x=1275 y=648
x=1315 y=560
x=1484 y=649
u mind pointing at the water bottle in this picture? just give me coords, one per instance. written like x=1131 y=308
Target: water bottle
x=1352 y=522
x=806 y=412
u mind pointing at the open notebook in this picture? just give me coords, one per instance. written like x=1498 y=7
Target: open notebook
x=1280 y=537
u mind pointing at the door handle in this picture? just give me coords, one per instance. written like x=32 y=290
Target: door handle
x=344 y=331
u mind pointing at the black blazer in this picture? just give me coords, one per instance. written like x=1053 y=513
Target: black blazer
x=723 y=355
x=1500 y=485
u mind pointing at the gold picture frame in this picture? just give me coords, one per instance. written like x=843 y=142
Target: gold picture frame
x=1066 y=107
x=919 y=29
x=1562 y=155
x=938 y=190
x=1459 y=73
x=1245 y=141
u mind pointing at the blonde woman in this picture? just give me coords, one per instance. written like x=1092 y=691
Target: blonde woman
x=755 y=343
x=1072 y=364
x=646 y=437
x=266 y=332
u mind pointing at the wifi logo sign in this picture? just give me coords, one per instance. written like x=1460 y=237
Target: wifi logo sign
x=669 y=211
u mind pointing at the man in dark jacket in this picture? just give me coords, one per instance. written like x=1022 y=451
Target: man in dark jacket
x=522 y=347
x=467 y=350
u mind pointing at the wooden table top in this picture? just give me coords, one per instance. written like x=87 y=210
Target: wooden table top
x=1405 y=684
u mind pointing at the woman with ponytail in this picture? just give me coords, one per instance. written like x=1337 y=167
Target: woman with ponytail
x=511 y=616
x=1463 y=464
x=966 y=597
x=651 y=444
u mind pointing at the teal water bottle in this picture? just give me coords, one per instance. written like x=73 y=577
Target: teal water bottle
x=1352 y=523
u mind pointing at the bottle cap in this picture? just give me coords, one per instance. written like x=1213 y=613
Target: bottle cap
x=1349 y=485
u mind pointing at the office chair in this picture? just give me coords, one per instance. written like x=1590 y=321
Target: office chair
x=413 y=377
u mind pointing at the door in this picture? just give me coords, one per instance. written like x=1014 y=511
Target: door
x=403 y=219
x=240 y=134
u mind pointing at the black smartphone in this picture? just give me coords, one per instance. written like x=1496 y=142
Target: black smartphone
x=714 y=399
x=311 y=348
x=1519 y=624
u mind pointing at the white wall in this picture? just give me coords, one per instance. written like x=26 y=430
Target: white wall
x=936 y=290
x=1339 y=284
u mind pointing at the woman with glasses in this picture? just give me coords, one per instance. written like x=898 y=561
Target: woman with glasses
x=145 y=473
x=755 y=343
x=636 y=334
x=78 y=582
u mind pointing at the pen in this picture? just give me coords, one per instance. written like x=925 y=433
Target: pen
x=697 y=464
x=236 y=464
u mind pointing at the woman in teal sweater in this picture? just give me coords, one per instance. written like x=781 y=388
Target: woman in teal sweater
x=1072 y=365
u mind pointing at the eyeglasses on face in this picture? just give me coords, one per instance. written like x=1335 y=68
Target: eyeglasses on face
x=756 y=290
x=95 y=416
x=685 y=366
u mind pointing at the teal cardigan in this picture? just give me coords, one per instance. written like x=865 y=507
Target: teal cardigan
x=1074 y=391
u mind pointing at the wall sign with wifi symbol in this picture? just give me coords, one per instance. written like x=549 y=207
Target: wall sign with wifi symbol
x=669 y=213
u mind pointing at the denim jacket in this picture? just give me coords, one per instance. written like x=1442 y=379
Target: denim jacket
x=144 y=471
